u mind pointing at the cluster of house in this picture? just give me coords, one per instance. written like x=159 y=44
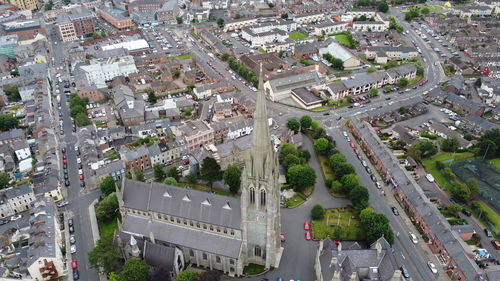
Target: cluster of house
x=477 y=36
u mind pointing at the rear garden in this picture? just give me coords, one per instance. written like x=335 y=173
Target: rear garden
x=340 y=224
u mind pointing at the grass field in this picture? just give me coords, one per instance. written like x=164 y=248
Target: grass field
x=183 y=57
x=108 y=228
x=495 y=162
x=492 y=214
x=430 y=166
x=253 y=269
x=296 y=200
x=338 y=224
x=297 y=35
x=342 y=38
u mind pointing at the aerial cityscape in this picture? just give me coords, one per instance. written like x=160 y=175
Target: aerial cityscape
x=259 y=140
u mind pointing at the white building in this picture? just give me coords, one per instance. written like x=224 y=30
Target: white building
x=276 y=31
x=329 y=27
x=98 y=73
x=16 y=200
x=239 y=24
x=280 y=88
x=307 y=18
x=370 y=26
x=27 y=93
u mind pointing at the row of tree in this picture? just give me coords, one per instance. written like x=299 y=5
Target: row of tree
x=239 y=68
x=78 y=110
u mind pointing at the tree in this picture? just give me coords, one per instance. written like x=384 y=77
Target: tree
x=422 y=149
x=4 y=180
x=373 y=92
x=286 y=149
x=139 y=175
x=108 y=185
x=450 y=144
x=291 y=160
x=237 y=16
x=179 y=20
x=48 y=6
x=460 y=192
x=454 y=209
x=187 y=275
x=12 y=93
x=115 y=277
x=343 y=169
x=317 y=212
x=349 y=182
x=105 y=254
x=191 y=178
x=294 y=125
x=403 y=82
x=322 y=146
x=336 y=186
x=284 y=16
x=305 y=154
x=173 y=173
x=358 y=195
x=232 y=177
x=420 y=70
x=158 y=172
x=473 y=186
x=8 y=122
x=82 y=119
x=301 y=177
x=152 y=97
x=224 y=56
x=135 y=269
x=425 y=11
x=107 y=209
x=387 y=88
x=220 y=22
x=305 y=122
x=319 y=133
x=383 y=7
x=315 y=125
x=170 y=181
x=210 y=170
x=336 y=62
x=335 y=160
x=478 y=82
x=376 y=226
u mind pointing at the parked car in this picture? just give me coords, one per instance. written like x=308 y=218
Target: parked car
x=62 y=204
x=432 y=267
x=70 y=222
x=395 y=211
x=495 y=244
x=72 y=239
x=374 y=178
x=487 y=233
x=74 y=264
x=15 y=218
x=308 y=235
x=307 y=225
x=378 y=185
x=413 y=238
x=466 y=212
x=76 y=275
x=404 y=272
x=282 y=237
x=71 y=230
x=66 y=183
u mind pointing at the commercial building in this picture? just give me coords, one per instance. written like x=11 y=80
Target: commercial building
x=281 y=87
x=115 y=18
x=75 y=24
x=99 y=72
x=349 y=60
x=25 y=4
x=24 y=29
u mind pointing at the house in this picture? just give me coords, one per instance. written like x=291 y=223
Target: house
x=268 y=32
x=155 y=154
x=157 y=129
x=307 y=18
x=15 y=200
x=349 y=60
x=170 y=151
x=329 y=27
x=130 y=109
x=237 y=24
x=334 y=261
x=465 y=231
x=231 y=129
x=270 y=63
x=22 y=150
x=281 y=87
x=384 y=54
x=196 y=133
x=453 y=101
x=116 y=169
x=370 y=26
x=136 y=158
x=45 y=260
x=213 y=89
x=92 y=93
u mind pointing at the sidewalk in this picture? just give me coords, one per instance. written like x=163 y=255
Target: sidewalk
x=95 y=231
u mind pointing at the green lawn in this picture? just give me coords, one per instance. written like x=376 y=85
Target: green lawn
x=328 y=173
x=296 y=200
x=183 y=57
x=204 y=188
x=297 y=35
x=433 y=9
x=321 y=108
x=108 y=228
x=253 y=269
x=342 y=38
x=430 y=165
x=492 y=214
x=339 y=223
x=495 y=162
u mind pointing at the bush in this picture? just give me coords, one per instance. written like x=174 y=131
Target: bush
x=317 y=212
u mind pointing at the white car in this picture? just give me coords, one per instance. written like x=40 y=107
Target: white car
x=80 y=171
x=344 y=133
x=78 y=160
x=72 y=239
x=73 y=249
x=76 y=147
x=62 y=204
x=15 y=218
x=432 y=267
x=413 y=238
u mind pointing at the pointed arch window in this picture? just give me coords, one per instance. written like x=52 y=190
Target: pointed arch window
x=262 y=198
x=252 y=196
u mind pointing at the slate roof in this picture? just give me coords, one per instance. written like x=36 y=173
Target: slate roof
x=159 y=255
x=172 y=200
x=42 y=241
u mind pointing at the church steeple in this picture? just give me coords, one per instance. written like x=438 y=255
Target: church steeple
x=261 y=143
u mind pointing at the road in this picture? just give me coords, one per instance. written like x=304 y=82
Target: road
x=78 y=203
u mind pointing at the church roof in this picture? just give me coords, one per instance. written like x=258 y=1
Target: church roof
x=183 y=203
x=183 y=236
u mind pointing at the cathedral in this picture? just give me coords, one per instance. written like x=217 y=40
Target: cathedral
x=173 y=227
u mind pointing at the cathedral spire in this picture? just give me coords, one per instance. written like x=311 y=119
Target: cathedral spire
x=261 y=143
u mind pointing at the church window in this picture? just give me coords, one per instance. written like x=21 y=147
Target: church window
x=191 y=253
x=257 y=251
x=172 y=219
x=205 y=256
x=191 y=223
x=225 y=230
x=211 y=228
x=232 y=232
x=198 y=225
x=218 y=229
x=178 y=220
x=252 y=196
x=204 y=226
x=231 y=261
x=185 y=222
x=217 y=259
x=262 y=198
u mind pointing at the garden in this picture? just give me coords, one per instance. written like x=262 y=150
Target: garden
x=341 y=223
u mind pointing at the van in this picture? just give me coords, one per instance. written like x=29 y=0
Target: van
x=429 y=177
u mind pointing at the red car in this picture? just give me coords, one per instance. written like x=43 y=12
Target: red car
x=306 y=225
x=64 y=156
x=308 y=235
x=81 y=177
x=356 y=151
x=74 y=264
x=185 y=162
x=65 y=161
x=495 y=244
x=351 y=144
